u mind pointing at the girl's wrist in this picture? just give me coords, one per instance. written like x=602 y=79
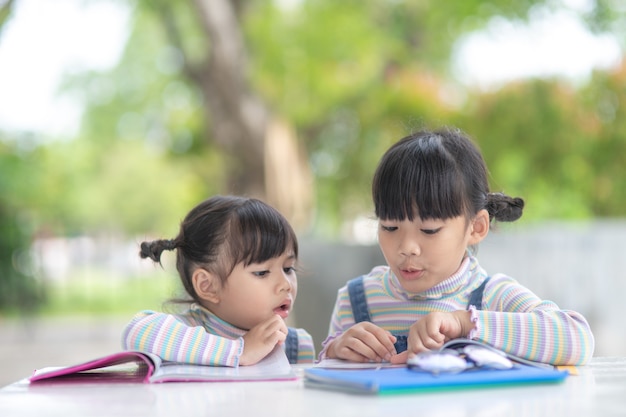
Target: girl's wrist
x=330 y=351
x=465 y=322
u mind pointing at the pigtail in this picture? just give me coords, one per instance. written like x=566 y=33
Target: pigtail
x=154 y=248
x=503 y=208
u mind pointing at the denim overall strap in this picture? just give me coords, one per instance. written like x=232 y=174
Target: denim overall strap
x=356 y=291
x=476 y=297
x=291 y=345
x=401 y=343
x=360 y=311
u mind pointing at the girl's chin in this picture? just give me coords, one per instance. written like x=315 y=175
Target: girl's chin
x=282 y=313
x=415 y=285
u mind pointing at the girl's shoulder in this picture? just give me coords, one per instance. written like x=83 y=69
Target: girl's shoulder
x=501 y=279
x=505 y=285
x=187 y=316
x=377 y=273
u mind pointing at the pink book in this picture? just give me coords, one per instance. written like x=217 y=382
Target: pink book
x=134 y=366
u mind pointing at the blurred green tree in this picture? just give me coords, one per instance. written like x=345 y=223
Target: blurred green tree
x=19 y=290
x=603 y=99
x=285 y=92
x=559 y=147
x=337 y=82
x=521 y=129
x=295 y=102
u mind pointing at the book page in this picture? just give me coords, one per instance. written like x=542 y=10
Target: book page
x=120 y=366
x=460 y=342
x=274 y=366
x=344 y=364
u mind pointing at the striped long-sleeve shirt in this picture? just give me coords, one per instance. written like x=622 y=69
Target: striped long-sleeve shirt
x=512 y=317
x=196 y=336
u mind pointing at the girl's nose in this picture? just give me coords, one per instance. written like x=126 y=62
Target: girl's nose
x=286 y=283
x=409 y=247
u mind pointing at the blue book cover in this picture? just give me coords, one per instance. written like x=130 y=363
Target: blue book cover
x=386 y=381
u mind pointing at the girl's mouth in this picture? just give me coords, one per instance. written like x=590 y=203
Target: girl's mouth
x=283 y=309
x=410 y=274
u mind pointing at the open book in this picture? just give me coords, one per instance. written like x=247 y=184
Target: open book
x=375 y=378
x=345 y=364
x=451 y=344
x=462 y=342
x=134 y=366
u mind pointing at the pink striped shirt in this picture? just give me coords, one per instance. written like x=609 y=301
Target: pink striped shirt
x=195 y=336
x=512 y=317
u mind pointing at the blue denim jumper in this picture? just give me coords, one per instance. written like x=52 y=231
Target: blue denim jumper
x=360 y=311
x=291 y=345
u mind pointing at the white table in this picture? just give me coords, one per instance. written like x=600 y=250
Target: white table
x=598 y=390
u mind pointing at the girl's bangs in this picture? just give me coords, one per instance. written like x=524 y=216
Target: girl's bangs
x=420 y=183
x=263 y=234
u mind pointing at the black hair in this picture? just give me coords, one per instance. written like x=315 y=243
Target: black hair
x=221 y=232
x=437 y=174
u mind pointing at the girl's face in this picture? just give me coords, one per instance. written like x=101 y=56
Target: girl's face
x=253 y=293
x=423 y=253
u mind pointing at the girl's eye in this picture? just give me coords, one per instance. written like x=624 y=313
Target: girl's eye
x=261 y=274
x=388 y=228
x=431 y=231
x=289 y=270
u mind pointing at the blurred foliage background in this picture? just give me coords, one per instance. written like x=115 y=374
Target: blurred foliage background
x=293 y=102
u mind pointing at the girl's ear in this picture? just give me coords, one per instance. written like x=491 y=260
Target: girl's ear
x=207 y=285
x=479 y=227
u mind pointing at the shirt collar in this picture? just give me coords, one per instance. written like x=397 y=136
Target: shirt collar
x=214 y=324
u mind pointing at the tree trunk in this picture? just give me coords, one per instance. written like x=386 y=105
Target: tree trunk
x=265 y=160
x=238 y=118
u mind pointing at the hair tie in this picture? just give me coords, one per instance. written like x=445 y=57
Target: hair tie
x=170 y=244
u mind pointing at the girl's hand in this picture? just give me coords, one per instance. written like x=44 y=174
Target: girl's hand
x=261 y=340
x=433 y=330
x=363 y=342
